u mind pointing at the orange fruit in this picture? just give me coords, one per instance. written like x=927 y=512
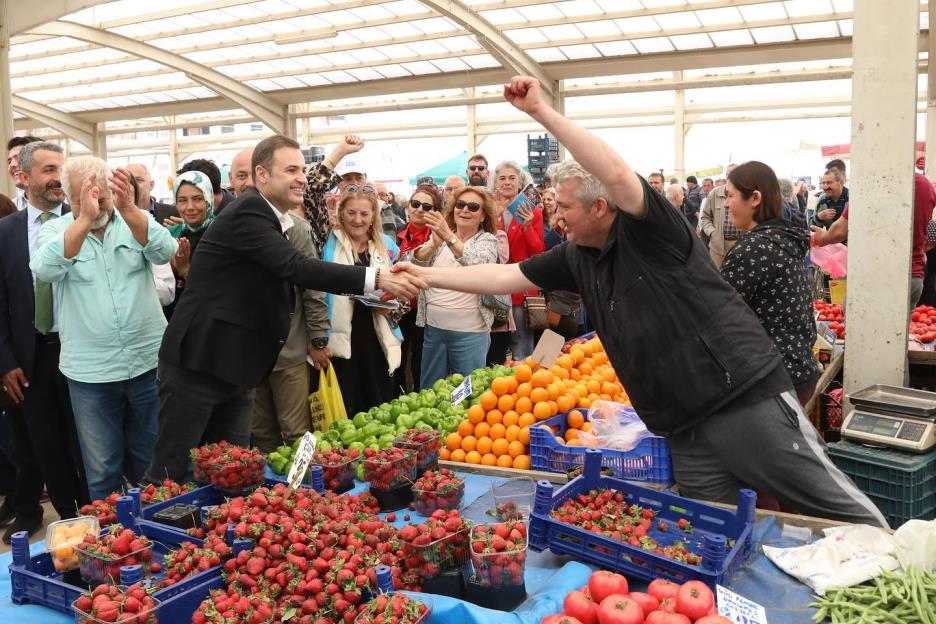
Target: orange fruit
x=488 y=400
x=577 y=355
x=494 y=417
x=587 y=348
x=512 y=384
x=600 y=357
x=458 y=455
x=542 y=411
x=511 y=418
x=500 y=386
x=571 y=434
x=521 y=462
x=524 y=436
x=516 y=448
x=469 y=443
x=541 y=379
x=553 y=407
x=574 y=442
x=512 y=433
x=524 y=389
x=484 y=445
x=553 y=390
x=559 y=439
x=609 y=388
x=498 y=431
x=575 y=374
x=505 y=403
x=445 y=454
x=524 y=404
x=539 y=395
x=565 y=402
x=526 y=419
x=453 y=441
x=475 y=414
x=500 y=446
x=473 y=457
x=562 y=373
x=584 y=403
x=465 y=428
x=585 y=368
x=481 y=430
x=575 y=419
x=565 y=361
x=587 y=427
x=523 y=372
x=593 y=386
x=505 y=461
x=489 y=459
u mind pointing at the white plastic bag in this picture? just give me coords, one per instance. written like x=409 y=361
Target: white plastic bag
x=614 y=426
x=915 y=544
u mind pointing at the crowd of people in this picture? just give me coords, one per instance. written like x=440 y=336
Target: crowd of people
x=133 y=330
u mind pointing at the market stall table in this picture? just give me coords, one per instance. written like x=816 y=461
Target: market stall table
x=548 y=577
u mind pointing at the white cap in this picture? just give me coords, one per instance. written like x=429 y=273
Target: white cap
x=351 y=164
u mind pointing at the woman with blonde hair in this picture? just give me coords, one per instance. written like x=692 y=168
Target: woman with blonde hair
x=365 y=348
x=457 y=325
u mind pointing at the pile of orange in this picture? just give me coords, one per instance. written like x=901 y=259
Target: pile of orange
x=497 y=429
x=575 y=425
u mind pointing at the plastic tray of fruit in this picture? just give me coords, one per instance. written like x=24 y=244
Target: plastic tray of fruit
x=438 y=489
x=110 y=603
x=438 y=546
x=338 y=469
x=394 y=607
x=498 y=554
x=63 y=537
x=426 y=443
x=229 y=468
x=655 y=533
x=100 y=558
x=513 y=498
x=389 y=468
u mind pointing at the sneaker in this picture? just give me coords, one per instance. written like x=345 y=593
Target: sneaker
x=30 y=524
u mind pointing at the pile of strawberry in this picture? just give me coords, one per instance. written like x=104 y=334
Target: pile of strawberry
x=190 y=559
x=426 y=443
x=389 y=468
x=337 y=467
x=230 y=607
x=105 y=510
x=107 y=603
x=314 y=554
x=100 y=559
x=438 y=489
x=152 y=494
x=833 y=314
x=606 y=600
x=606 y=513
x=507 y=511
x=228 y=466
x=393 y=609
x=498 y=554
x=438 y=545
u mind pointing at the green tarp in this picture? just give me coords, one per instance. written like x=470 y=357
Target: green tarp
x=452 y=166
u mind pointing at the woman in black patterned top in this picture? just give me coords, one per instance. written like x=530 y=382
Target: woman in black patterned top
x=768 y=268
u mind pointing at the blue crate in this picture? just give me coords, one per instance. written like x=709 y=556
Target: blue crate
x=713 y=527
x=312 y=478
x=34 y=580
x=649 y=461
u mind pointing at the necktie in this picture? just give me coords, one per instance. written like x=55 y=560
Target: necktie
x=44 y=295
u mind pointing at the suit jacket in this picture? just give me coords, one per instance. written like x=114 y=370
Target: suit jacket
x=234 y=317
x=164 y=211
x=713 y=225
x=17 y=296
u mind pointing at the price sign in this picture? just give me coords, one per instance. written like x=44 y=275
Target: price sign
x=738 y=608
x=301 y=461
x=826 y=333
x=462 y=392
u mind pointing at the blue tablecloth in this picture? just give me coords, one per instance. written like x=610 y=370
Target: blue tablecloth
x=548 y=579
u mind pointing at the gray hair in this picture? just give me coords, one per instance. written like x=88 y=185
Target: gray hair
x=673 y=191
x=590 y=188
x=525 y=178
x=835 y=173
x=27 y=155
x=77 y=169
x=786 y=188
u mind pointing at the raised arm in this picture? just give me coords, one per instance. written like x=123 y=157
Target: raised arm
x=595 y=155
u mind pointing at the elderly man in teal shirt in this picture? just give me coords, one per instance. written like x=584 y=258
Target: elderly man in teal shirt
x=101 y=257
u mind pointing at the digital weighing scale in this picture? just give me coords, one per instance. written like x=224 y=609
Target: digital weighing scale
x=901 y=418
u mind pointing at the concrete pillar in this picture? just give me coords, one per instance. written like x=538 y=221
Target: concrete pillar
x=291 y=129
x=558 y=102
x=471 y=124
x=173 y=148
x=679 y=130
x=306 y=127
x=7 y=186
x=99 y=148
x=881 y=190
x=931 y=100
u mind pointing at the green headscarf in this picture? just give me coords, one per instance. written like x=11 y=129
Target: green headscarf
x=200 y=180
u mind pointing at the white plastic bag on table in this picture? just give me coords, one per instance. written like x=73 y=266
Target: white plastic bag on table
x=614 y=426
x=915 y=542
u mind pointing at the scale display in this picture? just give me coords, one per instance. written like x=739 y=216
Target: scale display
x=907 y=433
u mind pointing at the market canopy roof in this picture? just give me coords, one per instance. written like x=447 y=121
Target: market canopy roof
x=450 y=167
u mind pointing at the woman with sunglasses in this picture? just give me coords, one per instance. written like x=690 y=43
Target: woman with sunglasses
x=365 y=349
x=525 y=236
x=457 y=326
x=425 y=199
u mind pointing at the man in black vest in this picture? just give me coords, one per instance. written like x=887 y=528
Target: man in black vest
x=695 y=361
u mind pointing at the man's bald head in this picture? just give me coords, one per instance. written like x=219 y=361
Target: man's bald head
x=452 y=184
x=144 y=182
x=240 y=174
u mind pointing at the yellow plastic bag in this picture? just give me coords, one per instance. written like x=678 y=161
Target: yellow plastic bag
x=327 y=403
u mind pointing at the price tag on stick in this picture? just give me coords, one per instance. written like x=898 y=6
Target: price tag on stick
x=302 y=460
x=738 y=608
x=462 y=392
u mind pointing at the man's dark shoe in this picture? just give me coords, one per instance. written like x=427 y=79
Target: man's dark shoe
x=7 y=513
x=30 y=524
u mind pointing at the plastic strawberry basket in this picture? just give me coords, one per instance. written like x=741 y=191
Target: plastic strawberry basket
x=722 y=537
x=649 y=461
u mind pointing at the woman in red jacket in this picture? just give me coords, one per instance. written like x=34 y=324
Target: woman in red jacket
x=525 y=235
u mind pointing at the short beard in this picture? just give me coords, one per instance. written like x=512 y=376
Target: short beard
x=476 y=181
x=42 y=199
x=102 y=220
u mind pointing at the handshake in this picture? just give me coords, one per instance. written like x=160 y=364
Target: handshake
x=403 y=281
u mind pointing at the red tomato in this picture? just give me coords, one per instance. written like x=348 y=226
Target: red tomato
x=667 y=605
x=713 y=619
x=619 y=609
x=662 y=588
x=659 y=617
x=694 y=600
x=558 y=618
x=580 y=607
x=602 y=584
x=647 y=602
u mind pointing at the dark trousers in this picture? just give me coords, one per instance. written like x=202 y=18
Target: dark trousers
x=407 y=376
x=51 y=439
x=497 y=352
x=195 y=409
x=27 y=489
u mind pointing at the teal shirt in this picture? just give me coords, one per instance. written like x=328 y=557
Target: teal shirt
x=110 y=321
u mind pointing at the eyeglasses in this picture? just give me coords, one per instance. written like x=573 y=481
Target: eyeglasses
x=472 y=206
x=365 y=188
x=415 y=204
x=477 y=167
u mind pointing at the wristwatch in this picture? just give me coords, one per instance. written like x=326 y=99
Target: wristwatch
x=319 y=343
x=452 y=241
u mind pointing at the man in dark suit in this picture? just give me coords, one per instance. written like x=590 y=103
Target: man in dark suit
x=145 y=184
x=29 y=350
x=228 y=329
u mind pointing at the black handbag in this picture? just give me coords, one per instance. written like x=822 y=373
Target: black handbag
x=564 y=312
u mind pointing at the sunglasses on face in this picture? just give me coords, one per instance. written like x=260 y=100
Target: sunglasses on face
x=415 y=204
x=477 y=167
x=472 y=206
x=365 y=188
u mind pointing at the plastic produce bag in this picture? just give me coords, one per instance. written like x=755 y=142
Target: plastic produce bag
x=915 y=542
x=327 y=403
x=833 y=259
x=614 y=426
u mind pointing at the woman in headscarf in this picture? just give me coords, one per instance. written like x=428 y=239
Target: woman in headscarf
x=194 y=197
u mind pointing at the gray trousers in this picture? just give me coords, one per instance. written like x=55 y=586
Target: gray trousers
x=771 y=447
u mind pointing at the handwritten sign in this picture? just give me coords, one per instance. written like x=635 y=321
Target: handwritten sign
x=301 y=461
x=738 y=608
x=462 y=392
